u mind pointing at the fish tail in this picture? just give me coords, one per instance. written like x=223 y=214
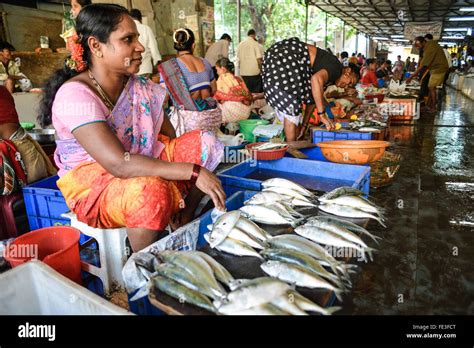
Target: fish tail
x=338 y=294
x=331 y=310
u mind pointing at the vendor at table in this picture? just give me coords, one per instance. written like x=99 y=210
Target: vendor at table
x=120 y=163
x=369 y=76
x=37 y=163
x=295 y=73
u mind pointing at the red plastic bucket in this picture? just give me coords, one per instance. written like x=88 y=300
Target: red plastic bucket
x=56 y=246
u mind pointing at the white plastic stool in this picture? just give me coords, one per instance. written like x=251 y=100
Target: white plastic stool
x=112 y=253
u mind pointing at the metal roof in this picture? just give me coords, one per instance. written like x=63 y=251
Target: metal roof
x=387 y=17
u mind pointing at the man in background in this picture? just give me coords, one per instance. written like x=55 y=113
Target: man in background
x=218 y=50
x=435 y=60
x=151 y=56
x=9 y=71
x=344 y=58
x=250 y=60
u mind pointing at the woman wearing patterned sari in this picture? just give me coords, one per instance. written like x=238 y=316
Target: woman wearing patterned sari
x=120 y=162
x=232 y=93
x=190 y=82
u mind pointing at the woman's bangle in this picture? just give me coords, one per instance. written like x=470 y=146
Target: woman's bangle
x=195 y=174
x=322 y=112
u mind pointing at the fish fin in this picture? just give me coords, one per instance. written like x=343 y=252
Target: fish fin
x=297 y=222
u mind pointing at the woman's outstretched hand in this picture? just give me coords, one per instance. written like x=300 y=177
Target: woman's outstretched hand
x=210 y=184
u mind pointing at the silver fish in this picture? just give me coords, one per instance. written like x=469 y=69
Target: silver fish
x=253 y=229
x=345 y=211
x=293 y=242
x=279 y=182
x=287 y=192
x=300 y=259
x=263 y=309
x=286 y=305
x=346 y=234
x=223 y=226
x=177 y=274
x=253 y=293
x=300 y=276
x=265 y=215
x=340 y=191
x=308 y=305
x=269 y=146
x=241 y=236
x=357 y=202
x=195 y=266
x=327 y=237
x=182 y=293
x=221 y=273
x=235 y=247
x=334 y=223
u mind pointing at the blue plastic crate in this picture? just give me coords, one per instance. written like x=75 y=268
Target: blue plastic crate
x=315 y=175
x=44 y=205
x=318 y=136
x=44 y=199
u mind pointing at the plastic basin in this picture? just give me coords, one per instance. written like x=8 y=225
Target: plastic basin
x=266 y=155
x=56 y=246
x=353 y=151
x=247 y=127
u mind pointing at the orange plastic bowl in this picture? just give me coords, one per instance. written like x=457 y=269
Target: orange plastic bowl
x=266 y=155
x=353 y=151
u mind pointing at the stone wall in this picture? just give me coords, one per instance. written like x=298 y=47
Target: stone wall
x=24 y=26
x=39 y=66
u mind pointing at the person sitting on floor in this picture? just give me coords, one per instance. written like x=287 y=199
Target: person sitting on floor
x=190 y=82
x=37 y=163
x=120 y=162
x=232 y=93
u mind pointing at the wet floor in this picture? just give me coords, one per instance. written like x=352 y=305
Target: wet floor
x=425 y=263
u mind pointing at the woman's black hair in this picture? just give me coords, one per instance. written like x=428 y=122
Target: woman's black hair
x=183 y=40
x=355 y=69
x=98 y=20
x=226 y=63
x=84 y=2
x=369 y=61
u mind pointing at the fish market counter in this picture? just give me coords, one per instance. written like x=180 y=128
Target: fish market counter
x=245 y=267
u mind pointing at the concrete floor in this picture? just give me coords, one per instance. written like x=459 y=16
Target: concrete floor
x=425 y=263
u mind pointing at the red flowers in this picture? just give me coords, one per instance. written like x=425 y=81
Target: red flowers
x=75 y=62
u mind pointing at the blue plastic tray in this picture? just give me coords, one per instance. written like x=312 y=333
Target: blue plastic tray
x=314 y=175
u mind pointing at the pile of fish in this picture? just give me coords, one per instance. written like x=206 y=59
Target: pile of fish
x=268 y=296
x=350 y=203
x=195 y=278
x=298 y=259
x=192 y=277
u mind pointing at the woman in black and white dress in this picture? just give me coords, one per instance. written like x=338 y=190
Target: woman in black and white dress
x=295 y=73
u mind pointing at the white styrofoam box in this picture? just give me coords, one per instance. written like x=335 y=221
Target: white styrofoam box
x=34 y=288
x=112 y=253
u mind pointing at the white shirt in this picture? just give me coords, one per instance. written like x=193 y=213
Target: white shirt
x=148 y=40
x=218 y=50
x=248 y=52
